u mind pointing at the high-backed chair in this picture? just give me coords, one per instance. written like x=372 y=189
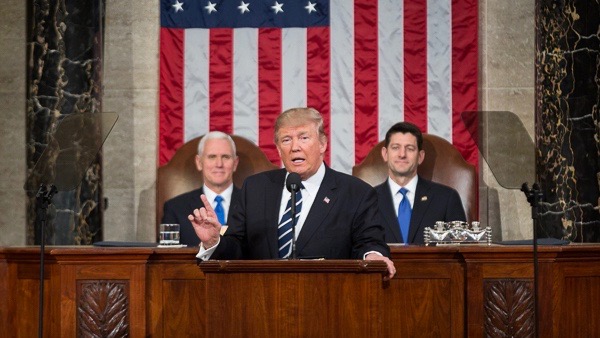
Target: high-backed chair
x=180 y=174
x=443 y=163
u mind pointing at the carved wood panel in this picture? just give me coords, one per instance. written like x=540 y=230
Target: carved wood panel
x=508 y=308
x=102 y=308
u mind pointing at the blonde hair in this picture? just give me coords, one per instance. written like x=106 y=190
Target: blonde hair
x=299 y=116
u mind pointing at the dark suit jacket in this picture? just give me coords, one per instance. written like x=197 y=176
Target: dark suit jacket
x=433 y=202
x=343 y=222
x=177 y=209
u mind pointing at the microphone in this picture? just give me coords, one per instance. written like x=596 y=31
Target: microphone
x=293 y=184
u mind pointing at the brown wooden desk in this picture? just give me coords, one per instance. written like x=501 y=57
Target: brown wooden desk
x=438 y=291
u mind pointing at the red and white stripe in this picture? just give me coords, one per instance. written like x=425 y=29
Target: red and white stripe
x=378 y=63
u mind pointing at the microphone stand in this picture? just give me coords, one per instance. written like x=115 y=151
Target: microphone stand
x=44 y=197
x=294 y=189
x=534 y=197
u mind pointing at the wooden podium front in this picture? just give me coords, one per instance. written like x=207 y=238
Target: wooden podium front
x=294 y=298
x=445 y=291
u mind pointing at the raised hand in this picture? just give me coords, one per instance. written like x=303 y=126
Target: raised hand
x=206 y=224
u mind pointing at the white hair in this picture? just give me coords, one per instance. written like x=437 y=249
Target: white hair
x=216 y=135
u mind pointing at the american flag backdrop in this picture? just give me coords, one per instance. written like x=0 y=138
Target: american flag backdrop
x=234 y=65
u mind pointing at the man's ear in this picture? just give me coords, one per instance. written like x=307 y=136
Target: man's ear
x=323 y=146
x=236 y=161
x=198 y=162
x=421 y=156
x=384 y=154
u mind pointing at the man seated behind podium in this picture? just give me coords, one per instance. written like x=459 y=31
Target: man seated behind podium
x=338 y=216
x=409 y=203
x=216 y=160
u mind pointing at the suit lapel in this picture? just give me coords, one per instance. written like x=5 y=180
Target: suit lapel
x=235 y=198
x=195 y=202
x=273 y=193
x=324 y=201
x=419 y=208
x=388 y=212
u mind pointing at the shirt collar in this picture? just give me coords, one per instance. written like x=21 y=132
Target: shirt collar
x=312 y=184
x=210 y=195
x=411 y=186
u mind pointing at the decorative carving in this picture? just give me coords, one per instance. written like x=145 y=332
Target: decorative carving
x=102 y=308
x=508 y=308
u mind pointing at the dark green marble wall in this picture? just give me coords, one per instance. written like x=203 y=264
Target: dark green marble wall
x=64 y=77
x=567 y=118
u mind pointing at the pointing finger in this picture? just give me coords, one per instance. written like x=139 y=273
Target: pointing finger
x=206 y=203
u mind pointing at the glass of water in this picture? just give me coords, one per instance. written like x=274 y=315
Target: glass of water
x=169 y=234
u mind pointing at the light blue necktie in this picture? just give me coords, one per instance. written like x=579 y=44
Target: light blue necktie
x=404 y=212
x=219 y=210
x=284 y=230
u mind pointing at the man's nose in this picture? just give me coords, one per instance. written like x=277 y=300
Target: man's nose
x=219 y=162
x=295 y=144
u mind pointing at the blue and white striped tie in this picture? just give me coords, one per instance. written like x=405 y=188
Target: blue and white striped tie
x=284 y=230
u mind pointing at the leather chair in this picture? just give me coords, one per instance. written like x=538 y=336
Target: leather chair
x=180 y=174
x=443 y=163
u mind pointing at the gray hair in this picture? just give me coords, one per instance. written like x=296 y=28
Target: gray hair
x=216 y=135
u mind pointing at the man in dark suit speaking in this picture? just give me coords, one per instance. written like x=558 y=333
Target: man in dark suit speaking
x=407 y=202
x=338 y=215
x=216 y=160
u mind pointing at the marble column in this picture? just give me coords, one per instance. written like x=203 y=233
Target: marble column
x=64 y=60
x=567 y=118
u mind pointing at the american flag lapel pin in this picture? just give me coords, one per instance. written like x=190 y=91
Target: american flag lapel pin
x=424 y=198
x=326 y=200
